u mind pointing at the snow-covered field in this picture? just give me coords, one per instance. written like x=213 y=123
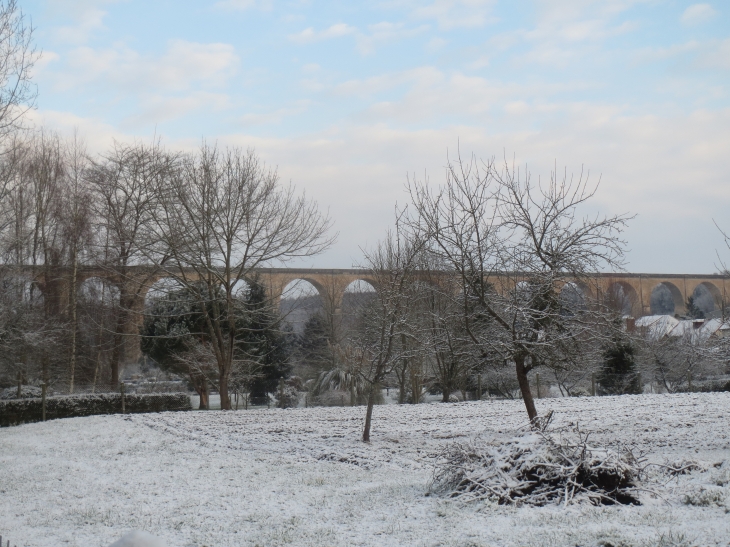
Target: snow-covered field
x=301 y=477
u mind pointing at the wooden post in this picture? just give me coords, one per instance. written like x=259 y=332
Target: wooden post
x=43 y=405
x=121 y=390
x=479 y=387
x=352 y=390
x=689 y=380
x=537 y=381
x=641 y=384
x=281 y=392
x=593 y=384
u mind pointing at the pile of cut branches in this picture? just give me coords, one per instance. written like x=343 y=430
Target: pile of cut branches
x=538 y=468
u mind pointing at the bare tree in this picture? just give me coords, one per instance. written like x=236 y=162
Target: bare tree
x=513 y=244
x=124 y=183
x=17 y=57
x=220 y=215
x=76 y=220
x=46 y=225
x=393 y=265
x=674 y=362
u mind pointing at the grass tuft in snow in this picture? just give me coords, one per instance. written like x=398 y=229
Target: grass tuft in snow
x=705 y=496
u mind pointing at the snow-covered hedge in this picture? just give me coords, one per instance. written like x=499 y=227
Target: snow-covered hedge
x=19 y=411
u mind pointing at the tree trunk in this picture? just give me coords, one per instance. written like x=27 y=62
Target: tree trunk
x=525 y=388
x=223 y=390
x=402 y=388
x=74 y=322
x=416 y=385
x=114 y=363
x=369 y=413
x=202 y=389
x=445 y=394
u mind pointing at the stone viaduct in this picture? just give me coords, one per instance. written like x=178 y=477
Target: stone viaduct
x=634 y=291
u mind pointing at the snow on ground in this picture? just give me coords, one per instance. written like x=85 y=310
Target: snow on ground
x=301 y=477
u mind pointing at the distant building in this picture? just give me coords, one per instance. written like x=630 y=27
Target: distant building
x=698 y=330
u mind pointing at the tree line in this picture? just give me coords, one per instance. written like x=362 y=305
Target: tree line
x=204 y=221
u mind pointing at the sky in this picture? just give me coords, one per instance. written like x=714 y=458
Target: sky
x=347 y=99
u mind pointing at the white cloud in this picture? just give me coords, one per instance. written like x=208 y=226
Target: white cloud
x=717 y=56
x=417 y=77
x=157 y=108
x=243 y=5
x=276 y=116
x=183 y=65
x=376 y=35
x=309 y=35
x=87 y=16
x=697 y=13
x=435 y=44
x=383 y=33
x=648 y=55
x=97 y=135
x=709 y=54
x=565 y=33
x=450 y=14
x=431 y=96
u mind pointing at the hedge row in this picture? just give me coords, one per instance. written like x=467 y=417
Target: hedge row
x=20 y=411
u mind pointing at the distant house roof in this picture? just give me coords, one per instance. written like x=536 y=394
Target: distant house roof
x=697 y=330
x=657 y=326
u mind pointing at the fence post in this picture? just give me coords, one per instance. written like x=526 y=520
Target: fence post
x=641 y=384
x=593 y=384
x=43 y=410
x=537 y=380
x=479 y=387
x=281 y=392
x=121 y=391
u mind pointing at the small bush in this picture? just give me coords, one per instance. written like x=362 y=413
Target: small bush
x=290 y=397
x=19 y=411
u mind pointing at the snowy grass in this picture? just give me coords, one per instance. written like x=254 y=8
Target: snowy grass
x=302 y=477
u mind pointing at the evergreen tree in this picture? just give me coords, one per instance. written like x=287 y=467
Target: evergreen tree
x=313 y=346
x=170 y=322
x=263 y=343
x=693 y=311
x=174 y=322
x=618 y=375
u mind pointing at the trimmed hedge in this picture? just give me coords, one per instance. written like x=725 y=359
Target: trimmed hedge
x=21 y=411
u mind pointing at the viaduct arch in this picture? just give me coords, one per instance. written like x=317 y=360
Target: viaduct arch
x=630 y=292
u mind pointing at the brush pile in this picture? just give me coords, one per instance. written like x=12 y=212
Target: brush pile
x=538 y=468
